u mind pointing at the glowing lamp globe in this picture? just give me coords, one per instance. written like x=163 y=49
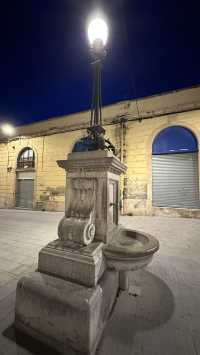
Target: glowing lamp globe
x=7 y=129
x=98 y=31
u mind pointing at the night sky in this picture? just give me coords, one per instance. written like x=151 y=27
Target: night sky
x=154 y=46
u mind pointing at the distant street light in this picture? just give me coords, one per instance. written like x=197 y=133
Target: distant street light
x=7 y=129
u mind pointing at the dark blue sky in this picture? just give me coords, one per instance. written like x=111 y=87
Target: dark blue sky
x=154 y=46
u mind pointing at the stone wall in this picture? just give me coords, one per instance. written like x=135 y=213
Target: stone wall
x=53 y=139
x=49 y=181
x=138 y=179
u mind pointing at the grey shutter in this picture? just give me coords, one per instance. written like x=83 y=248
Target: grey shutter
x=175 y=180
x=24 y=196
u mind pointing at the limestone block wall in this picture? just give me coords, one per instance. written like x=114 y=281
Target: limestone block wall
x=135 y=181
x=53 y=139
x=6 y=190
x=49 y=180
x=138 y=145
x=50 y=189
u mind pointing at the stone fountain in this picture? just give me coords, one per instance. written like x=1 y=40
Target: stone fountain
x=67 y=301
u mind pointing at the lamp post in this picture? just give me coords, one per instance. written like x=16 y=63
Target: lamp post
x=98 y=35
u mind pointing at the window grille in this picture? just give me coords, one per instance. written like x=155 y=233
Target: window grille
x=26 y=159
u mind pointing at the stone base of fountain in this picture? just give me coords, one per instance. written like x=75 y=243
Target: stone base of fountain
x=65 y=315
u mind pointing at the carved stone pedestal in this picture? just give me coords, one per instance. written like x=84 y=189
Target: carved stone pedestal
x=67 y=302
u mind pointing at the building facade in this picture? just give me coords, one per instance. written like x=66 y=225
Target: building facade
x=156 y=137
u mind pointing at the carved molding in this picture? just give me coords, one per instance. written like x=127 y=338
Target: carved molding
x=78 y=224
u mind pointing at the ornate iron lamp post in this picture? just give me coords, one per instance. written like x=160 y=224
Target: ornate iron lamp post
x=98 y=36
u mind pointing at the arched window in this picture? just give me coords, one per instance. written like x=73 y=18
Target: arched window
x=175 y=139
x=175 y=178
x=26 y=159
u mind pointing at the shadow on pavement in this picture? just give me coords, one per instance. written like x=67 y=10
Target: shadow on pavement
x=151 y=309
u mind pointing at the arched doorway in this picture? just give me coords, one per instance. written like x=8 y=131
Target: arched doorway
x=175 y=178
x=25 y=174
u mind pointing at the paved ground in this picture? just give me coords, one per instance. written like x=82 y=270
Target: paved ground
x=164 y=317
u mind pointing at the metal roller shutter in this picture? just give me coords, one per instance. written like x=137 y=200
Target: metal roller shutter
x=175 y=180
x=24 y=197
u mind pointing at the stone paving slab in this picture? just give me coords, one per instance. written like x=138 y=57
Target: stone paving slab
x=161 y=318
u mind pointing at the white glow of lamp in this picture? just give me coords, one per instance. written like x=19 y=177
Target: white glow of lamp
x=98 y=31
x=7 y=129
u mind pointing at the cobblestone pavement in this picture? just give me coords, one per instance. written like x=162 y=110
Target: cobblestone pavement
x=162 y=318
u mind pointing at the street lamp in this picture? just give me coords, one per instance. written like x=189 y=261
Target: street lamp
x=98 y=36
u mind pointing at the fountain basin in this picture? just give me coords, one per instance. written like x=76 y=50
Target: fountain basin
x=130 y=250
